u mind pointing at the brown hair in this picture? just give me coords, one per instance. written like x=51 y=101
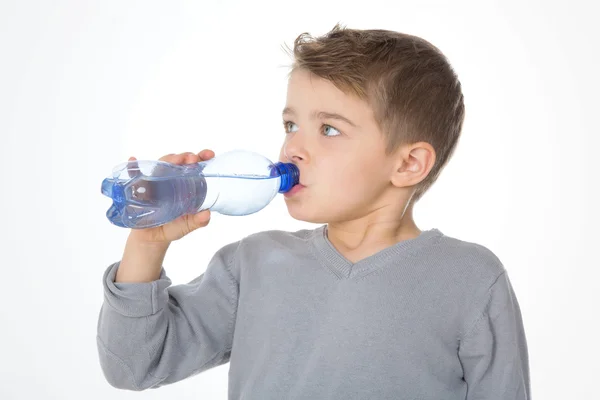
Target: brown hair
x=414 y=92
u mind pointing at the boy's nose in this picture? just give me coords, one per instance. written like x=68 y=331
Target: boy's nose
x=294 y=153
x=287 y=157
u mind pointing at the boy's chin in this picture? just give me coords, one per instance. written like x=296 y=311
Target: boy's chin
x=305 y=215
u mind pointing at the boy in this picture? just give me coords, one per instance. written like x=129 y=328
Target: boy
x=367 y=306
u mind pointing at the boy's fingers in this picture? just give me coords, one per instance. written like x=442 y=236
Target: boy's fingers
x=188 y=157
x=168 y=158
x=182 y=158
x=191 y=158
x=206 y=154
x=133 y=168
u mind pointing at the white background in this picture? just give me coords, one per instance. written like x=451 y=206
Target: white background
x=86 y=84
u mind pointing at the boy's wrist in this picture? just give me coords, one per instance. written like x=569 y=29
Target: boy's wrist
x=138 y=241
x=142 y=260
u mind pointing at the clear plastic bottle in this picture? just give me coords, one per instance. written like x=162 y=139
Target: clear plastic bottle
x=151 y=193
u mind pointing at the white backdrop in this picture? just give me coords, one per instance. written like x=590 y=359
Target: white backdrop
x=86 y=84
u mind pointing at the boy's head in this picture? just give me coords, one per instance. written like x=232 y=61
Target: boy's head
x=371 y=119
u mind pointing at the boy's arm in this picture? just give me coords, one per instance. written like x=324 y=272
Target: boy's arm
x=152 y=334
x=494 y=352
x=141 y=261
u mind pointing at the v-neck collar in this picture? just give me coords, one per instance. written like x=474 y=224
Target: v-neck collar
x=345 y=269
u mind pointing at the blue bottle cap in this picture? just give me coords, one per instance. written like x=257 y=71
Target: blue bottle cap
x=290 y=176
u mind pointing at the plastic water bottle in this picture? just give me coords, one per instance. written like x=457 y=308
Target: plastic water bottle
x=151 y=193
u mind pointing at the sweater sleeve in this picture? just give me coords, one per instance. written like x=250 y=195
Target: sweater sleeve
x=494 y=352
x=153 y=334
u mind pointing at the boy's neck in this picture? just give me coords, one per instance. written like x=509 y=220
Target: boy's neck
x=364 y=237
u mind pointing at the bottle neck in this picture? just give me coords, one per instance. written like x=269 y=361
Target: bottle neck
x=290 y=176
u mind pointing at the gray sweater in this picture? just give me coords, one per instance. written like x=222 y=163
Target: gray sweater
x=432 y=317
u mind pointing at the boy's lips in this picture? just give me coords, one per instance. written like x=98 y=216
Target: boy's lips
x=297 y=188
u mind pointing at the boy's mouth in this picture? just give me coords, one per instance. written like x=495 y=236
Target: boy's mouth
x=293 y=191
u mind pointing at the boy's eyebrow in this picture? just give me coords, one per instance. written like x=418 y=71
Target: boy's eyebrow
x=322 y=114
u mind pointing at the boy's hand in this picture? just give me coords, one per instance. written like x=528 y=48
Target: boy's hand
x=178 y=228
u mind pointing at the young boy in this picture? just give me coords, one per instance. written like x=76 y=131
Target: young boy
x=367 y=306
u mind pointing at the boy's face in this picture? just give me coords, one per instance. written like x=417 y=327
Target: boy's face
x=341 y=158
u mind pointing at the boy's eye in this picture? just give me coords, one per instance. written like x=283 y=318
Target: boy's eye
x=290 y=126
x=330 y=131
x=326 y=130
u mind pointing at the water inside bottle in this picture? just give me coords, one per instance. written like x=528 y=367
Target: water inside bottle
x=151 y=200
x=147 y=201
x=241 y=194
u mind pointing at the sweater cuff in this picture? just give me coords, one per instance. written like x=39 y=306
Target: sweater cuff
x=135 y=299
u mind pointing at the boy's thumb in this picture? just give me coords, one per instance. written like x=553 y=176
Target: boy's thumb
x=198 y=220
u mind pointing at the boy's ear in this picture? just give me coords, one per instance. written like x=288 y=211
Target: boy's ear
x=414 y=162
